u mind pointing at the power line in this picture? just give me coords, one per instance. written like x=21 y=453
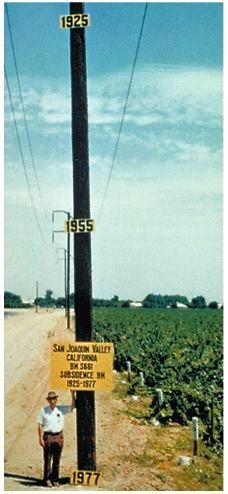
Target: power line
x=22 y=158
x=23 y=110
x=124 y=112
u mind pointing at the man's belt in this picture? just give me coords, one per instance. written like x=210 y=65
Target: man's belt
x=52 y=433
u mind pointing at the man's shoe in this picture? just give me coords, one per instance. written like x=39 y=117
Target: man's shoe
x=49 y=483
x=56 y=484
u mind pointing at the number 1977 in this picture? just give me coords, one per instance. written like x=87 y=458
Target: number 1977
x=84 y=477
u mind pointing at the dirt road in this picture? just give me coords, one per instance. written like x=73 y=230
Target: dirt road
x=121 y=441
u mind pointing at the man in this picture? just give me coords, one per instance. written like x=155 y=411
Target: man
x=50 y=432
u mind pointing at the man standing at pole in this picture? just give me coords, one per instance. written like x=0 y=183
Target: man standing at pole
x=51 y=439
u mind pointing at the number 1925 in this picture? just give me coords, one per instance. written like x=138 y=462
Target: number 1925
x=74 y=21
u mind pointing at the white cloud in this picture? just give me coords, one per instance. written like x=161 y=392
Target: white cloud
x=54 y=108
x=167 y=95
x=159 y=94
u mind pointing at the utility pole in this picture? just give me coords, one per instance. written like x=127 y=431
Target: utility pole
x=65 y=275
x=68 y=264
x=37 y=294
x=86 y=444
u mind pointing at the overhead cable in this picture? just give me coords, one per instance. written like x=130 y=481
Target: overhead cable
x=24 y=114
x=23 y=160
x=124 y=112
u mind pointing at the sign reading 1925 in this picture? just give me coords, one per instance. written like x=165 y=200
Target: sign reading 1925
x=82 y=225
x=74 y=21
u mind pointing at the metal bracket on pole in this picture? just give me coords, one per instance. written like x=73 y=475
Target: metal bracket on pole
x=67 y=264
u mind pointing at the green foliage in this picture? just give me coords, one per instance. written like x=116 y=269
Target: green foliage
x=198 y=302
x=12 y=301
x=162 y=301
x=60 y=302
x=179 y=351
x=114 y=302
x=213 y=305
x=47 y=301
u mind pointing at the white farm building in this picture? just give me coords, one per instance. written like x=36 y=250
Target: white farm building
x=181 y=306
x=136 y=305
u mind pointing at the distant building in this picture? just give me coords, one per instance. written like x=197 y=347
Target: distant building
x=29 y=301
x=136 y=305
x=181 y=306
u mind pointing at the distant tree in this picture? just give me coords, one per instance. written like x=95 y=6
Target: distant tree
x=60 y=302
x=162 y=301
x=173 y=299
x=213 y=305
x=154 y=301
x=40 y=302
x=49 y=300
x=126 y=303
x=198 y=302
x=115 y=301
x=12 y=301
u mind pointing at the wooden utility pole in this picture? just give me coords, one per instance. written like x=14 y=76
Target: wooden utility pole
x=37 y=294
x=68 y=277
x=65 y=275
x=68 y=263
x=86 y=444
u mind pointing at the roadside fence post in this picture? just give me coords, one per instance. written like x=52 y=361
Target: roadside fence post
x=128 y=370
x=141 y=378
x=195 y=435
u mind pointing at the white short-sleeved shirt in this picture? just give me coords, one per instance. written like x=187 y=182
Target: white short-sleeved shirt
x=53 y=420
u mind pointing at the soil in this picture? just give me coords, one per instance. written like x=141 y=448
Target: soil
x=122 y=442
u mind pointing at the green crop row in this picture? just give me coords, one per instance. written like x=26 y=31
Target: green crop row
x=179 y=351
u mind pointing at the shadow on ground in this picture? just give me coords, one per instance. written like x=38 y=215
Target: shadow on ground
x=33 y=481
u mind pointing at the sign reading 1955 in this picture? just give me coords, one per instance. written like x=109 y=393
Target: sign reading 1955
x=74 y=21
x=83 y=225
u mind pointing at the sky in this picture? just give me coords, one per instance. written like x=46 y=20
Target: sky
x=160 y=227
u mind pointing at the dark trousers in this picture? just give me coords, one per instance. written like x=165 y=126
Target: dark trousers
x=52 y=454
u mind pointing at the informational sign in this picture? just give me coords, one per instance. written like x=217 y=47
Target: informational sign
x=84 y=477
x=74 y=21
x=83 y=366
x=82 y=225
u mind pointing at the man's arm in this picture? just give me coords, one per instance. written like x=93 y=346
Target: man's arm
x=40 y=435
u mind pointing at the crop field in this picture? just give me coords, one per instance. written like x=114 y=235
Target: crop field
x=179 y=351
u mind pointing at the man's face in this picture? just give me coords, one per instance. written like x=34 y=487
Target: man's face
x=52 y=402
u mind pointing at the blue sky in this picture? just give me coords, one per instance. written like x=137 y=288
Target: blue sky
x=160 y=229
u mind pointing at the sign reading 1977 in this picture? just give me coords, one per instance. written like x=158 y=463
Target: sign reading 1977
x=74 y=21
x=84 y=366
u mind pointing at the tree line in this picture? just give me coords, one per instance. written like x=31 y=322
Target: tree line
x=153 y=301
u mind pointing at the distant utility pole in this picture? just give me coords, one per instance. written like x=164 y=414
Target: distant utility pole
x=82 y=242
x=65 y=275
x=37 y=294
x=68 y=264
